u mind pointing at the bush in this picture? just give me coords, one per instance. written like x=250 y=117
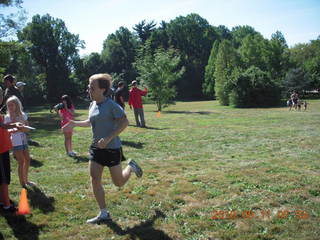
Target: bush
x=254 y=88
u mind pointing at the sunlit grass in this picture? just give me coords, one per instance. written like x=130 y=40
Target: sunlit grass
x=197 y=157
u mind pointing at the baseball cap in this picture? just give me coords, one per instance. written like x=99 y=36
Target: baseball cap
x=133 y=82
x=19 y=84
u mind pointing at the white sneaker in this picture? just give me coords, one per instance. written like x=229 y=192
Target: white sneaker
x=99 y=219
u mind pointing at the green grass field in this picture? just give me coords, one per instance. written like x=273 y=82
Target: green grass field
x=210 y=172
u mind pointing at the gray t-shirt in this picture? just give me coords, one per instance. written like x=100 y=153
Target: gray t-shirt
x=103 y=117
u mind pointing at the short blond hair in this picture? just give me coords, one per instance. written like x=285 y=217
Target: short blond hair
x=104 y=80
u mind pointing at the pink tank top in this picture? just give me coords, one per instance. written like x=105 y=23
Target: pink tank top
x=66 y=115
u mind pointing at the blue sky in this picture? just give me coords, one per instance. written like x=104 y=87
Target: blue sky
x=298 y=20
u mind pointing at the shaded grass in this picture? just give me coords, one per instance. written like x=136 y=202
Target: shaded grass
x=198 y=157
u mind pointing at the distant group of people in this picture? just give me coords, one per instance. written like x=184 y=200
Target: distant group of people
x=296 y=103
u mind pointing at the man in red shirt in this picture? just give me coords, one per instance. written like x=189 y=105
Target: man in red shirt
x=135 y=101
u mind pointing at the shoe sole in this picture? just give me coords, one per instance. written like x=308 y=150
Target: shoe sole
x=135 y=166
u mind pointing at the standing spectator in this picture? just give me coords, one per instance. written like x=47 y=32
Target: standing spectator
x=107 y=120
x=295 y=98
x=20 y=87
x=66 y=114
x=135 y=101
x=19 y=139
x=119 y=95
x=5 y=170
x=11 y=90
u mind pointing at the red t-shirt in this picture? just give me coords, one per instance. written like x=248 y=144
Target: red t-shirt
x=5 y=142
x=135 y=97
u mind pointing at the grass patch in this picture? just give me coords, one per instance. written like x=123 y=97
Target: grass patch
x=198 y=157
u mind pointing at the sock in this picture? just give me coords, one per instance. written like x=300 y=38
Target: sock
x=103 y=212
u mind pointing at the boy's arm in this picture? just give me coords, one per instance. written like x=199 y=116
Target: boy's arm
x=70 y=125
x=144 y=92
x=122 y=123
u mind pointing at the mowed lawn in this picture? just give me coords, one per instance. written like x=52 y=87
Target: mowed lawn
x=210 y=172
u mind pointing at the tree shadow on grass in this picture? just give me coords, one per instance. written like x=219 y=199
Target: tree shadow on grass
x=142 y=231
x=138 y=145
x=39 y=200
x=35 y=163
x=22 y=229
x=188 y=112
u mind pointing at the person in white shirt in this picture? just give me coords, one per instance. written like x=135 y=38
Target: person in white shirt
x=19 y=139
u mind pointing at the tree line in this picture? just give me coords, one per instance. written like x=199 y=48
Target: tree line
x=184 y=59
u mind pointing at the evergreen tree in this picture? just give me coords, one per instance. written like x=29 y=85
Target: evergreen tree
x=227 y=60
x=209 y=80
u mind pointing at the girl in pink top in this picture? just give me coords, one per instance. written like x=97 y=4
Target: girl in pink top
x=66 y=114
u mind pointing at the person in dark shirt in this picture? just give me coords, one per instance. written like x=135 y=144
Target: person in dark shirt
x=120 y=94
x=11 y=90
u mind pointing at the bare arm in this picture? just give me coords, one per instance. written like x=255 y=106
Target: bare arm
x=70 y=125
x=11 y=125
x=121 y=100
x=25 y=123
x=122 y=123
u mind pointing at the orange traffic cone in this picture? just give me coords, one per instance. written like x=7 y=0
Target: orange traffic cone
x=23 y=203
x=158 y=114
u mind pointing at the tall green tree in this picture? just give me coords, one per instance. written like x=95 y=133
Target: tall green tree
x=253 y=51
x=119 y=51
x=159 y=71
x=226 y=61
x=93 y=64
x=239 y=33
x=278 y=59
x=159 y=37
x=144 y=30
x=224 y=32
x=193 y=37
x=307 y=56
x=55 y=49
x=84 y=68
x=209 y=79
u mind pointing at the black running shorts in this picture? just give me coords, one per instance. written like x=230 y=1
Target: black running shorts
x=106 y=157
